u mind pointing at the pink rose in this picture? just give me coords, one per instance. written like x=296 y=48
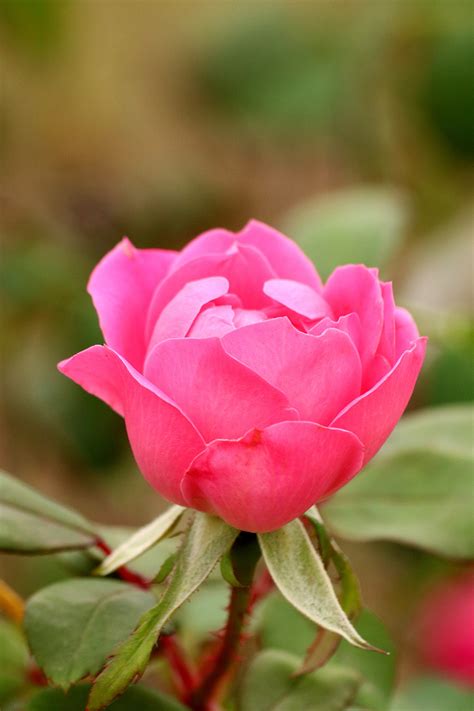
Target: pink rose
x=249 y=389
x=445 y=628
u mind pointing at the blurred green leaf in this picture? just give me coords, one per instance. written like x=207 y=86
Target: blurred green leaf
x=418 y=491
x=361 y=225
x=281 y=627
x=299 y=574
x=137 y=698
x=73 y=626
x=432 y=694
x=271 y=75
x=447 y=430
x=13 y=659
x=31 y=523
x=141 y=540
x=206 y=541
x=377 y=670
x=270 y=684
x=450 y=104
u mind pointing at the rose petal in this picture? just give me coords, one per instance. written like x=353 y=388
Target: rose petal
x=349 y=324
x=318 y=374
x=286 y=258
x=270 y=476
x=222 y=397
x=215 y=321
x=297 y=297
x=373 y=415
x=387 y=338
x=244 y=267
x=178 y=315
x=121 y=286
x=355 y=288
x=406 y=331
x=163 y=440
x=375 y=371
x=284 y=255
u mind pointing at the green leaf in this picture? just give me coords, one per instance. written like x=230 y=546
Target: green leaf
x=270 y=685
x=418 y=490
x=444 y=430
x=31 y=523
x=73 y=626
x=137 y=698
x=433 y=695
x=280 y=626
x=377 y=670
x=141 y=541
x=362 y=225
x=299 y=574
x=205 y=543
x=13 y=659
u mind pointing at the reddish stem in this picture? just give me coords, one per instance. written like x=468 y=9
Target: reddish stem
x=261 y=588
x=123 y=572
x=183 y=675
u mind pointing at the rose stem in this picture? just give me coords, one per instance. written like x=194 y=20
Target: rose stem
x=245 y=554
x=183 y=675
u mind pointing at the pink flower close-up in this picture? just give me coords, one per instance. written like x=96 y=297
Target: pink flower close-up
x=445 y=628
x=250 y=389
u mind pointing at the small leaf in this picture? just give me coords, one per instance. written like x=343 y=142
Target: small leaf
x=270 y=685
x=205 y=543
x=137 y=698
x=432 y=694
x=227 y=571
x=418 y=489
x=299 y=574
x=141 y=541
x=31 y=523
x=166 y=568
x=363 y=225
x=73 y=626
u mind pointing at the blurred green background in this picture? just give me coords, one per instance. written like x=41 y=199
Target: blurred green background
x=347 y=124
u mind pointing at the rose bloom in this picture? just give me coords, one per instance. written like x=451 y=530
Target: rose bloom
x=249 y=389
x=444 y=629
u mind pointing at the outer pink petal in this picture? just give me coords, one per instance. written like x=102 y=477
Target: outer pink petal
x=178 y=315
x=222 y=397
x=297 y=297
x=375 y=371
x=286 y=258
x=163 y=440
x=244 y=267
x=270 y=476
x=318 y=374
x=121 y=287
x=406 y=331
x=373 y=415
x=355 y=288
x=387 y=339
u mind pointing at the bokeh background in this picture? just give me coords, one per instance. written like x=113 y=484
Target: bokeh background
x=349 y=125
